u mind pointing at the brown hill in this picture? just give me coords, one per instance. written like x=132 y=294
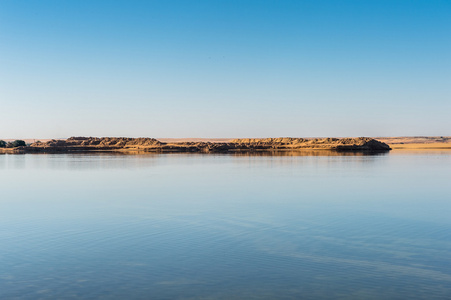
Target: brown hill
x=361 y=143
x=104 y=142
x=237 y=145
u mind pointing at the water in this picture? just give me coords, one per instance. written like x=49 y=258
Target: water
x=181 y=226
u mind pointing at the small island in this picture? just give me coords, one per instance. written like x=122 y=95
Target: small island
x=123 y=144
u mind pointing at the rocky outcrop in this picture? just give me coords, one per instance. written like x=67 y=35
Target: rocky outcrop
x=344 y=144
x=237 y=145
x=361 y=144
x=104 y=142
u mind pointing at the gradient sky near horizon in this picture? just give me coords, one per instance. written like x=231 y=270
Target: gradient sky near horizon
x=224 y=68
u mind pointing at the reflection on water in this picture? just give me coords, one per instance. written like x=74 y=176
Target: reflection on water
x=183 y=226
x=309 y=153
x=135 y=159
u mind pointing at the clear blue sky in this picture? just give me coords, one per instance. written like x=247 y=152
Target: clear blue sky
x=224 y=68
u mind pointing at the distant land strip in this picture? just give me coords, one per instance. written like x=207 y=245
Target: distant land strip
x=124 y=144
x=418 y=142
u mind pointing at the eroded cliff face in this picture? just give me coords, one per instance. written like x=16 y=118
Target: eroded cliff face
x=267 y=144
x=361 y=143
x=270 y=141
x=113 y=142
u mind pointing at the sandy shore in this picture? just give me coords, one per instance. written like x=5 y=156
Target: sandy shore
x=419 y=146
x=418 y=142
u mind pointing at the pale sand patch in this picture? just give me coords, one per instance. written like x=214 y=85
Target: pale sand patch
x=414 y=139
x=419 y=146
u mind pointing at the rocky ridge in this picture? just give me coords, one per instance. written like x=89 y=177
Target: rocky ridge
x=99 y=142
x=236 y=145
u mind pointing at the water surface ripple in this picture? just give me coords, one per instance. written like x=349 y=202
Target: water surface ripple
x=177 y=226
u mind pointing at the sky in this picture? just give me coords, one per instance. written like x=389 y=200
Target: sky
x=224 y=68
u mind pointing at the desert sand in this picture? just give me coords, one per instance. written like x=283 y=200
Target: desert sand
x=418 y=142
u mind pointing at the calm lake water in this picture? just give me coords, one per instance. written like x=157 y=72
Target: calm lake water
x=175 y=226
